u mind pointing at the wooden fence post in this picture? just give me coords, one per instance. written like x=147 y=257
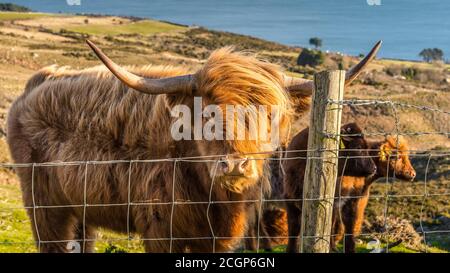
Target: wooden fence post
x=321 y=168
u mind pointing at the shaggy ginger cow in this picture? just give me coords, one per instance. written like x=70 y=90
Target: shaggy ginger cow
x=95 y=115
x=392 y=159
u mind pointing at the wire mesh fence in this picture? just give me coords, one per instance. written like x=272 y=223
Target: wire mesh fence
x=431 y=183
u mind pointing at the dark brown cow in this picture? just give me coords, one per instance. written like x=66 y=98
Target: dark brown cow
x=358 y=164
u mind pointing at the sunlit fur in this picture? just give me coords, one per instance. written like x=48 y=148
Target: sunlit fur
x=87 y=115
x=275 y=222
x=394 y=151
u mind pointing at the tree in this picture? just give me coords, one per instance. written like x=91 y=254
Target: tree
x=432 y=54
x=316 y=42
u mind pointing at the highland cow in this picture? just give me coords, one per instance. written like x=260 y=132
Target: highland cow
x=272 y=230
x=267 y=215
x=275 y=222
x=97 y=116
x=353 y=160
x=392 y=159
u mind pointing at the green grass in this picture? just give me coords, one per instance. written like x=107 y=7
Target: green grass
x=15 y=228
x=143 y=27
x=435 y=247
x=16 y=235
x=360 y=248
x=6 y=15
x=438 y=240
x=275 y=249
x=110 y=242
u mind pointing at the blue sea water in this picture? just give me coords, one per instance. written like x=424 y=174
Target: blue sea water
x=348 y=26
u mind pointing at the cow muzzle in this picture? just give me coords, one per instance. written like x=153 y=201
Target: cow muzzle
x=236 y=173
x=233 y=166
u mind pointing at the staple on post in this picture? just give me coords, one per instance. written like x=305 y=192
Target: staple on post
x=321 y=168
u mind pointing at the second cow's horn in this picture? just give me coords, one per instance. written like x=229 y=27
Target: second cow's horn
x=305 y=87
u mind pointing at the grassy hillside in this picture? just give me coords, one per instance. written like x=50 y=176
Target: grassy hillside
x=11 y=15
x=30 y=41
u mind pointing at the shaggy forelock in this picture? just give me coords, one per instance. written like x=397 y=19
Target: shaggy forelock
x=399 y=143
x=236 y=78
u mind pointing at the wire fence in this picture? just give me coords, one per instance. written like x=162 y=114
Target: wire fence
x=131 y=205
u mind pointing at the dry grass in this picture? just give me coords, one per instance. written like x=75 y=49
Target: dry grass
x=7 y=15
x=102 y=25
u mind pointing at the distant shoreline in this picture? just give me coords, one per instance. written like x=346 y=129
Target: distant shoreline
x=138 y=18
x=405 y=31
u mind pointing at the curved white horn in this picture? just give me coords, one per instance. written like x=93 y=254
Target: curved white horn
x=150 y=86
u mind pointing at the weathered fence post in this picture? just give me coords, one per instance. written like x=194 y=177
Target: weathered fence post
x=321 y=168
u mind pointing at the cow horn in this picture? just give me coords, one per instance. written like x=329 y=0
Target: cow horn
x=305 y=87
x=146 y=85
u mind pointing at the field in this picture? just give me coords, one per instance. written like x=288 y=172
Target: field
x=30 y=41
x=7 y=16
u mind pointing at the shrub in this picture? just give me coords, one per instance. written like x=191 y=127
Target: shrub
x=409 y=73
x=311 y=57
x=418 y=74
x=13 y=7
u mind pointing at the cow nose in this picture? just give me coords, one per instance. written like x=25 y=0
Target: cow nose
x=233 y=166
x=242 y=165
x=412 y=175
x=225 y=165
x=374 y=170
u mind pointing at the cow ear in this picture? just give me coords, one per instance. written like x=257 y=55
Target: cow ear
x=344 y=142
x=385 y=151
x=341 y=144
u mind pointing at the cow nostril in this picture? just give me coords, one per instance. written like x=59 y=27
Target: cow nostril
x=243 y=165
x=224 y=166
